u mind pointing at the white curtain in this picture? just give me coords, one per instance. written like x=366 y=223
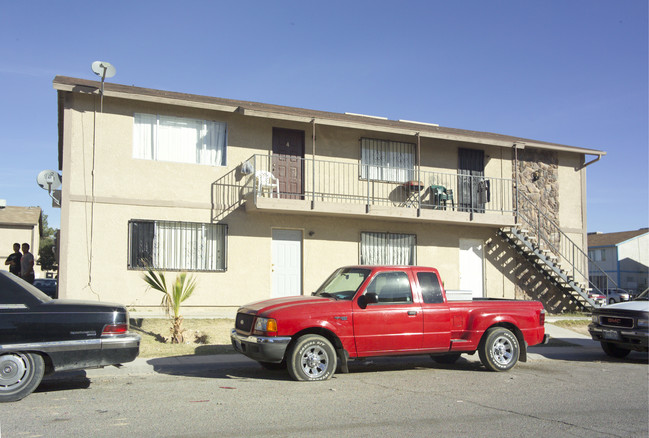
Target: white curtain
x=384 y=160
x=387 y=249
x=189 y=246
x=180 y=140
x=144 y=128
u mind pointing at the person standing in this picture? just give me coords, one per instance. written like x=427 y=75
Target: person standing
x=27 y=265
x=14 y=260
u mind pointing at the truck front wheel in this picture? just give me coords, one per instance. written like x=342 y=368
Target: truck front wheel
x=614 y=351
x=312 y=357
x=499 y=349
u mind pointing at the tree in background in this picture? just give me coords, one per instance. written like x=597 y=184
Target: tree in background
x=46 y=256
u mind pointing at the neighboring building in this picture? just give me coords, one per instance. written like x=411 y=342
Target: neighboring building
x=20 y=225
x=621 y=260
x=183 y=183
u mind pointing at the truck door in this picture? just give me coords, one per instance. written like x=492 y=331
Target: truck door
x=394 y=323
x=437 y=320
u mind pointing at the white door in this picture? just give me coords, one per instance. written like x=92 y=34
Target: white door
x=471 y=276
x=287 y=263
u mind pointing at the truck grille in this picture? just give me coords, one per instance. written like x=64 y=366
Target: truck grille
x=616 y=321
x=244 y=322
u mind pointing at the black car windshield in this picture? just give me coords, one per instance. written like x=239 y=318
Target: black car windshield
x=343 y=283
x=15 y=290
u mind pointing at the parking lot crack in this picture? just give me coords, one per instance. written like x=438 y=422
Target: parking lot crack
x=536 y=417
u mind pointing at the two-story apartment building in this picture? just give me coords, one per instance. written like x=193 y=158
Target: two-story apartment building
x=261 y=200
x=619 y=260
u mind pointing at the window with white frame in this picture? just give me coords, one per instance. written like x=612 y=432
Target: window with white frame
x=386 y=160
x=177 y=246
x=181 y=140
x=388 y=249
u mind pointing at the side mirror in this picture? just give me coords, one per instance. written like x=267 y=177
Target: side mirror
x=368 y=298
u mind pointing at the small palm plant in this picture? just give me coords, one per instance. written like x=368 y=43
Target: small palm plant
x=181 y=289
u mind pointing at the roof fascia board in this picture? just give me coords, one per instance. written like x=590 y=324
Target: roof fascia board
x=631 y=238
x=276 y=116
x=147 y=98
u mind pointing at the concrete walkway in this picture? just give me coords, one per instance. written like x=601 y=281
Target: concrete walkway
x=563 y=343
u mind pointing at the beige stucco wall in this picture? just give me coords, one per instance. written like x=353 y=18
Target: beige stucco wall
x=333 y=243
x=94 y=234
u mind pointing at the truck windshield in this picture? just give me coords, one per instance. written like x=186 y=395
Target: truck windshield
x=343 y=283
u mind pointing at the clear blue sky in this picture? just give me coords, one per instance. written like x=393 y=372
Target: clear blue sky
x=567 y=71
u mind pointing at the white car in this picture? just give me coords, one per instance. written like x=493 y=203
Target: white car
x=617 y=296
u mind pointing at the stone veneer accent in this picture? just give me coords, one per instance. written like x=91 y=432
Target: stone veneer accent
x=538 y=178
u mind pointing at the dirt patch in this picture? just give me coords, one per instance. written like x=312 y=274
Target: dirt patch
x=201 y=336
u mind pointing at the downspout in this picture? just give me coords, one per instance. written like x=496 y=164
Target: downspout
x=516 y=147
x=313 y=164
x=418 y=175
x=599 y=157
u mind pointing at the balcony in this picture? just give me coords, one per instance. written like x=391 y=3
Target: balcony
x=337 y=188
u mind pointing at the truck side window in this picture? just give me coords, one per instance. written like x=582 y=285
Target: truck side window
x=391 y=288
x=430 y=288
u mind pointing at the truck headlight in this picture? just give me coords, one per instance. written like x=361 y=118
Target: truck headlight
x=643 y=323
x=266 y=326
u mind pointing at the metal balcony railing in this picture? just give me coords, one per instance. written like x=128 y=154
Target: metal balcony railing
x=370 y=185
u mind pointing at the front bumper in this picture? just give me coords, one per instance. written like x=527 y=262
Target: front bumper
x=260 y=348
x=632 y=339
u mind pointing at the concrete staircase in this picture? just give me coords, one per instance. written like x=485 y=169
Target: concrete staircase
x=526 y=243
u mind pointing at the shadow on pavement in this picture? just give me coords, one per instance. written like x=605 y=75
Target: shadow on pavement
x=64 y=381
x=233 y=367
x=576 y=350
x=220 y=367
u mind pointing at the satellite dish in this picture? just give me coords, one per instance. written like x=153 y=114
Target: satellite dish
x=49 y=180
x=103 y=69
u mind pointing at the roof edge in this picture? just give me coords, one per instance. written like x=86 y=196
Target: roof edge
x=84 y=86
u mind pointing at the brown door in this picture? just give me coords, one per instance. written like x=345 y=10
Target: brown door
x=288 y=162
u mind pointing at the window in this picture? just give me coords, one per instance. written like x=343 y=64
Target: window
x=391 y=288
x=385 y=160
x=597 y=255
x=598 y=281
x=430 y=288
x=181 y=140
x=387 y=249
x=177 y=246
x=344 y=283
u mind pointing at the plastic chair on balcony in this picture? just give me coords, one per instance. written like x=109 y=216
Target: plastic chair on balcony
x=266 y=181
x=441 y=196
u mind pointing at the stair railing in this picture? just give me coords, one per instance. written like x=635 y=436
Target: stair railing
x=550 y=235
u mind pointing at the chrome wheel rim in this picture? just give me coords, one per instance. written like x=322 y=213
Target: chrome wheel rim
x=14 y=370
x=502 y=350
x=314 y=361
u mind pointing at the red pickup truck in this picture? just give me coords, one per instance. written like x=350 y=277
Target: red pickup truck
x=365 y=311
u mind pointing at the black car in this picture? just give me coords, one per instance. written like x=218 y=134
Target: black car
x=622 y=327
x=47 y=286
x=39 y=336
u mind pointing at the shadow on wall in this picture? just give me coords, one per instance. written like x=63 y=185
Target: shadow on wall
x=529 y=283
